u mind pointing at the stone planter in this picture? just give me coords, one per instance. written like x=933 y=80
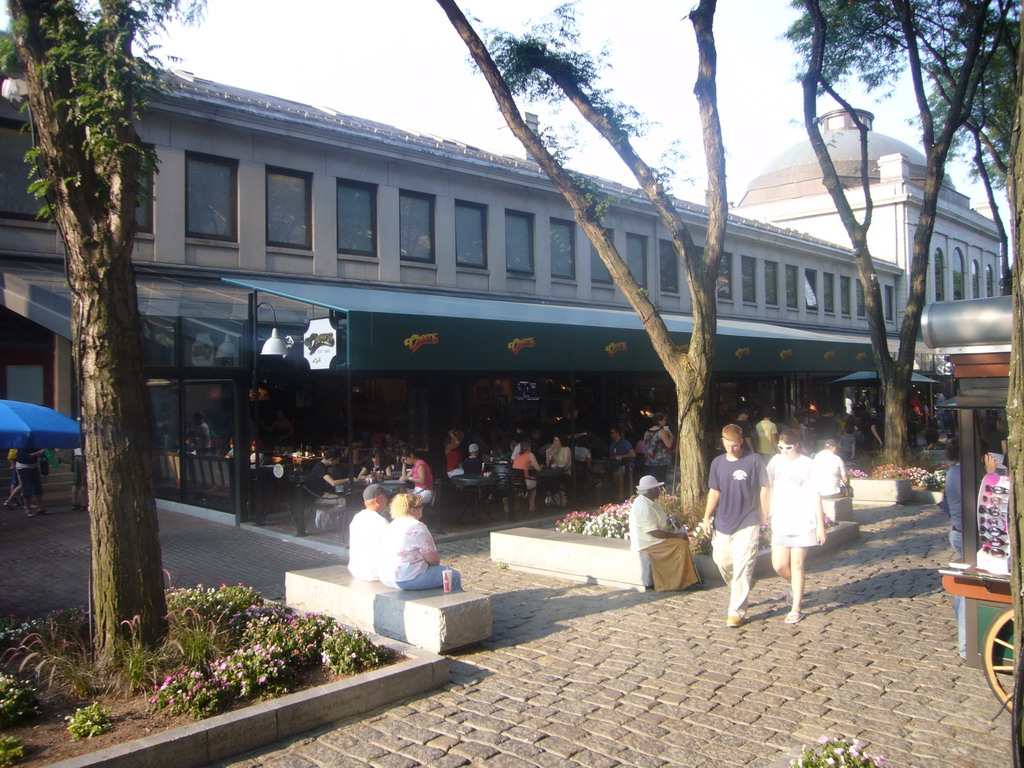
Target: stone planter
x=880 y=491
x=924 y=496
x=596 y=560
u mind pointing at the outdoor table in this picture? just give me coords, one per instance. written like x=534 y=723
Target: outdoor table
x=604 y=469
x=476 y=484
x=547 y=477
x=394 y=486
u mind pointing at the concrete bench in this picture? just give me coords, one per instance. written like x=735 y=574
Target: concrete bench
x=840 y=509
x=573 y=556
x=610 y=562
x=430 y=619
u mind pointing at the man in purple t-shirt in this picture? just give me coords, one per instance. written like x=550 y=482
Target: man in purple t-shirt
x=737 y=506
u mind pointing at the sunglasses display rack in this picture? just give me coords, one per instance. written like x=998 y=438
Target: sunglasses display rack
x=993 y=524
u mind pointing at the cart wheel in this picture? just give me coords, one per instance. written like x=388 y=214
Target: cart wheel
x=997 y=657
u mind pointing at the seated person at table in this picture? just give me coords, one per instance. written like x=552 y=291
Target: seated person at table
x=364 y=533
x=378 y=467
x=559 y=456
x=418 y=471
x=473 y=464
x=526 y=461
x=668 y=551
x=453 y=452
x=408 y=557
x=319 y=483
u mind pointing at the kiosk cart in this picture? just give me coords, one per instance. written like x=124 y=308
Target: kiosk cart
x=975 y=334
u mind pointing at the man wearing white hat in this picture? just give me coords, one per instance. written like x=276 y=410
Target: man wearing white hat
x=668 y=551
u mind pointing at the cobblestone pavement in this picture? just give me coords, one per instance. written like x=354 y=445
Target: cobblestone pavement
x=582 y=675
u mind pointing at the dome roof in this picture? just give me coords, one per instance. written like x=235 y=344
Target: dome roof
x=795 y=172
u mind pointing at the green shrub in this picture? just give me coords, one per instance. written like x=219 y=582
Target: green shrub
x=13 y=630
x=62 y=659
x=346 y=653
x=11 y=750
x=194 y=641
x=191 y=692
x=17 y=701
x=260 y=671
x=88 y=722
x=296 y=638
x=218 y=605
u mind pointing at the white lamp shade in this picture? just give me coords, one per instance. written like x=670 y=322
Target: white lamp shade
x=274 y=345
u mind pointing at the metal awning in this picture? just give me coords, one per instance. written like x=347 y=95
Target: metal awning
x=405 y=330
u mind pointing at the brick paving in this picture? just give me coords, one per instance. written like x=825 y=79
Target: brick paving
x=582 y=675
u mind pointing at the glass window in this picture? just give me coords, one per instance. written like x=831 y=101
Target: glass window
x=668 y=267
x=811 y=289
x=748 y=277
x=416 y=226
x=828 y=291
x=844 y=295
x=861 y=312
x=144 y=209
x=470 y=234
x=792 y=280
x=289 y=215
x=636 y=257
x=771 y=283
x=15 y=199
x=724 y=285
x=563 y=249
x=975 y=279
x=889 y=302
x=598 y=271
x=989 y=281
x=211 y=197
x=958 y=275
x=939 y=269
x=357 y=218
x=519 y=242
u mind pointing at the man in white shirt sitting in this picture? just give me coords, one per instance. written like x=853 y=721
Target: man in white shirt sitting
x=829 y=470
x=364 y=534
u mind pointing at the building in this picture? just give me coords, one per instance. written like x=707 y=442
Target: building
x=461 y=290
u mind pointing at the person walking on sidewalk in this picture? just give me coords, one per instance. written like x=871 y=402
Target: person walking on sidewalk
x=796 y=516
x=738 y=497
x=27 y=464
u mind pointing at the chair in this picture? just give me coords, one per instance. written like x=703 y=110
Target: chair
x=517 y=490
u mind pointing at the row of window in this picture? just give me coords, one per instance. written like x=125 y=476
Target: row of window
x=211 y=213
x=959 y=282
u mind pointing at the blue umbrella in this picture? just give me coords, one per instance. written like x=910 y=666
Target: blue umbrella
x=23 y=425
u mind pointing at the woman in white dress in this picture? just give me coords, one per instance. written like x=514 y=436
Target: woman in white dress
x=795 y=516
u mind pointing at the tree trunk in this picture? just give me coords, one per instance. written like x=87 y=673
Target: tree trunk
x=93 y=179
x=126 y=565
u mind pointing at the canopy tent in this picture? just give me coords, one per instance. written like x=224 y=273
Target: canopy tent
x=867 y=377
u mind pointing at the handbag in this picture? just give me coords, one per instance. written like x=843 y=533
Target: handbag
x=44 y=466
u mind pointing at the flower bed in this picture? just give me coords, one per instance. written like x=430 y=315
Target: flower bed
x=224 y=646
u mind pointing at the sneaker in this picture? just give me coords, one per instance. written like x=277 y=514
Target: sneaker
x=734 y=621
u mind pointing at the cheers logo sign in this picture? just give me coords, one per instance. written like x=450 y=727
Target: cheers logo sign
x=518 y=345
x=418 y=340
x=615 y=347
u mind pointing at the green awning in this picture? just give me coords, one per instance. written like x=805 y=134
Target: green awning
x=396 y=330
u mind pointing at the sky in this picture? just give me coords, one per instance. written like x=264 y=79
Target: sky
x=400 y=62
